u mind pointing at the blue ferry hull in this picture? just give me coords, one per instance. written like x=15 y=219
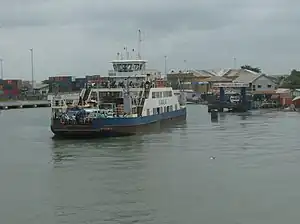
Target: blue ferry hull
x=109 y=127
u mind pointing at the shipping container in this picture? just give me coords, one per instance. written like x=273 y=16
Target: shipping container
x=78 y=84
x=15 y=83
x=10 y=84
x=60 y=84
x=80 y=80
x=60 y=87
x=94 y=79
x=61 y=79
x=14 y=92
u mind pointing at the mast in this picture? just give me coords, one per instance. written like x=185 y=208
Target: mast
x=127 y=101
x=139 y=44
x=126 y=53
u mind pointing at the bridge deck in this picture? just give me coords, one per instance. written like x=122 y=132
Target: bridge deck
x=239 y=107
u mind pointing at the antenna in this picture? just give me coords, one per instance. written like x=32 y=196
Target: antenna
x=132 y=53
x=118 y=56
x=139 y=44
x=126 y=53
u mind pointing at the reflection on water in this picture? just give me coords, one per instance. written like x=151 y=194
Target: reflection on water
x=67 y=149
x=62 y=149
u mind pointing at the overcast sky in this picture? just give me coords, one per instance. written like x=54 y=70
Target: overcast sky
x=81 y=36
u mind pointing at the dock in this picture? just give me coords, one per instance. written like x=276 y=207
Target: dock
x=24 y=104
x=221 y=104
x=233 y=107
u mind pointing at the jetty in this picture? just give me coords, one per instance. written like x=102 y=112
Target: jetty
x=24 y=104
x=221 y=104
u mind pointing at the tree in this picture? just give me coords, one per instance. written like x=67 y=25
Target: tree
x=250 y=68
x=292 y=81
x=281 y=80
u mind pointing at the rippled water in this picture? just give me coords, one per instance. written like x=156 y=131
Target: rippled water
x=165 y=177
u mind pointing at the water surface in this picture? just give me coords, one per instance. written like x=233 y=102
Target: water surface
x=165 y=177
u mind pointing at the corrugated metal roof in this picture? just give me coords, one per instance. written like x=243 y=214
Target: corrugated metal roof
x=296 y=98
x=247 y=77
x=283 y=90
x=218 y=72
x=202 y=73
x=218 y=79
x=232 y=73
x=264 y=92
x=40 y=86
x=226 y=73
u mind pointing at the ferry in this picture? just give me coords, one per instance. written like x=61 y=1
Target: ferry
x=126 y=107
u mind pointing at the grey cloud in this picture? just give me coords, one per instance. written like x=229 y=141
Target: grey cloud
x=154 y=15
x=40 y=13
x=168 y=16
x=81 y=36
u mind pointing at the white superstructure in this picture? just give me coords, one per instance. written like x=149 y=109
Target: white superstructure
x=132 y=90
x=160 y=100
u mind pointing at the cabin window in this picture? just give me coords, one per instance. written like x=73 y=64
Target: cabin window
x=165 y=109
x=134 y=110
x=158 y=111
x=102 y=94
x=148 y=112
x=171 y=108
x=153 y=95
x=160 y=94
x=258 y=86
x=170 y=93
x=154 y=111
x=269 y=86
x=94 y=95
x=157 y=94
x=176 y=107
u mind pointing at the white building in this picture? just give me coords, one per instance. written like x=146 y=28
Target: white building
x=257 y=81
